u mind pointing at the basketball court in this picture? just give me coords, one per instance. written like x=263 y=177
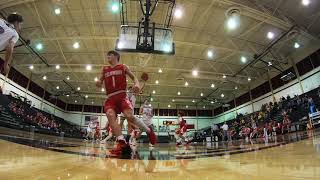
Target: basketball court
x=32 y=156
x=219 y=89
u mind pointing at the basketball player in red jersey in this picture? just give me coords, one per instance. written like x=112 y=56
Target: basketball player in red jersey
x=181 y=132
x=114 y=79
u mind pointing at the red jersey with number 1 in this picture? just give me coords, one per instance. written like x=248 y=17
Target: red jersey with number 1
x=115 y=78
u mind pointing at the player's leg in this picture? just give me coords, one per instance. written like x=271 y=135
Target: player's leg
x=177 y=136
x=128 y=113
x=121 y=144
x=142 y=126
x=133 y=137
x=148 y=134
x=148 y=122
x=110 y=135
x=122 y=118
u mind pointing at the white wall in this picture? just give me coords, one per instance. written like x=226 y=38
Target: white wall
x=309 y=81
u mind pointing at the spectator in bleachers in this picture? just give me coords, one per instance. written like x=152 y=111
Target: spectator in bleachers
x=225 y=129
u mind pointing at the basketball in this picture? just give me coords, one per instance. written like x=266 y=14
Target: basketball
x=144 y=76
x=135 y=89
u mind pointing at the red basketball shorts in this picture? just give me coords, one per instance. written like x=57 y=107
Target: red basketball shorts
x=118 y=103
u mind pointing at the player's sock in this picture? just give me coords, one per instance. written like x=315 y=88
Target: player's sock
x=141 y=124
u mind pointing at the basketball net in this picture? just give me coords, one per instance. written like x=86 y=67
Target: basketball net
x=143 y=59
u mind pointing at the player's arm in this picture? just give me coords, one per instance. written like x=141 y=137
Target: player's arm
x=136 y=86
x=99 y=83
x=8 y=56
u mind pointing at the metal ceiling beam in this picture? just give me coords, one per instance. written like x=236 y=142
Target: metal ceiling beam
x=149 y=84
x=11 y=3
x=215 y=61
x=95 y=70
x=266 y=51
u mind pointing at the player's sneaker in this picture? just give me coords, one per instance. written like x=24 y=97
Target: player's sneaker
x=152 y=138
x=120 y=148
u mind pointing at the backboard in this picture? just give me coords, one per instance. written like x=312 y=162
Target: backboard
x=157 y=41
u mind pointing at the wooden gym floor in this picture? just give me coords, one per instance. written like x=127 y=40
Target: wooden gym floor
x=35 y=156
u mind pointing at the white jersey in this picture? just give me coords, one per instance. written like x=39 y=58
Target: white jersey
x=147 y=114
x=7 y=34
x=131 y=98
x=92 y=124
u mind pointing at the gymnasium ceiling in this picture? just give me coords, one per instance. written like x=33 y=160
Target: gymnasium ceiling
x=202 y=27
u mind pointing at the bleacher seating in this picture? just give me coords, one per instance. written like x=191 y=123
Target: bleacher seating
x=21 y=120
x=296 y=108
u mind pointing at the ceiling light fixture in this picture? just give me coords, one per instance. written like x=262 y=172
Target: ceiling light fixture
x=88 y=67
x=76 y=45
x=178 y=13
x=243 y=59
x=270 y=35
x=210 y=54
x=195 y=73
x=305 y=2
x=57 y=11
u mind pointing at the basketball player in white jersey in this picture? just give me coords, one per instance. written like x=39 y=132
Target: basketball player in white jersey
x=147 y=113
x=8 y=37
x=109 y=131
x=91 y=129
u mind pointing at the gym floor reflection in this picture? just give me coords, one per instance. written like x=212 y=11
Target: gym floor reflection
x=35 y=156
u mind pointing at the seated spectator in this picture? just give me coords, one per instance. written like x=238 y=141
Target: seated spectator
x=288 y=97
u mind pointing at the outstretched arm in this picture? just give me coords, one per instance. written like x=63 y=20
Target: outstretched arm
x=8 y=56
x=136 y=86
x=99 y=83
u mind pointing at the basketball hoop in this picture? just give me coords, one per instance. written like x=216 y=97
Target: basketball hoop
x=143 y=59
